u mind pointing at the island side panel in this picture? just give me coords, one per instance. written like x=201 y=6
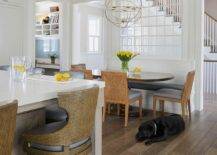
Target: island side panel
x=97 y=150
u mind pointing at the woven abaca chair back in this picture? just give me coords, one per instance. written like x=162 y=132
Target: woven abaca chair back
x=80 y=106
x=88 y=74
x=78 y=67
x=188 y=86
x=8 y=115
x=116 y=90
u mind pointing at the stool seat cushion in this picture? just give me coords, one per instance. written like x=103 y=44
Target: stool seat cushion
x=56 y=115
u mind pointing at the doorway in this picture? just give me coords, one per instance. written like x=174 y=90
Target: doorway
x=47 y=36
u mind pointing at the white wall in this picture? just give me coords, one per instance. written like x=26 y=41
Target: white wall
x=80 y=37
x=12 y=28
x=29 y=27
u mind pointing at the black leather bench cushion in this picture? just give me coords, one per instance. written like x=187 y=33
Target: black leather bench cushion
x=154 y=86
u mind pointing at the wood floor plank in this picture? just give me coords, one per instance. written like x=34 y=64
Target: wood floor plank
x=211 y=151
x=199 y=138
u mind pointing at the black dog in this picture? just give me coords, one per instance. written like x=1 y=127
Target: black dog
x=160 y=129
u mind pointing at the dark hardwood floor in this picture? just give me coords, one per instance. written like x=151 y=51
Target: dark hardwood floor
x=199 y=138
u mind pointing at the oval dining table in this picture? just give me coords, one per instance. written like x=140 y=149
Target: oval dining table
x=142 y=77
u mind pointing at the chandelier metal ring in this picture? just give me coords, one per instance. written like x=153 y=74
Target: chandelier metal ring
x=123 y=12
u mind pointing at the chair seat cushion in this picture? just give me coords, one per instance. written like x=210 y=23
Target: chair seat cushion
x=169 y=93
x=134 y=94
x=56 y=115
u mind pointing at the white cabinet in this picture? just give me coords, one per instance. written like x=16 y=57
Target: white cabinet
x=12 y=2
x=11 y=32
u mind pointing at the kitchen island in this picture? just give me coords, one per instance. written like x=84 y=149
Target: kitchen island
x=39 y=92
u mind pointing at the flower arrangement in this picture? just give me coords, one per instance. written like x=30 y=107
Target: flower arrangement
x=125 y=57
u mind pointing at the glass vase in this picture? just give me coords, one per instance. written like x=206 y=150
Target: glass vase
x=18 y=68
x=125 y=66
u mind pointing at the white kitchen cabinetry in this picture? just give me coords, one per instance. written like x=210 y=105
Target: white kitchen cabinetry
x=12 y=2
x=11 y=29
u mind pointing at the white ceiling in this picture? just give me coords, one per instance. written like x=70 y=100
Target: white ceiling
x=46 y=3
x=94 y=3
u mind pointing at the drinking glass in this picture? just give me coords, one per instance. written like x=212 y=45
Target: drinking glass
x=19 y=68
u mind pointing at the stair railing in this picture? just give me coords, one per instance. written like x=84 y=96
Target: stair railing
x=210 y=32
x=172 y=8
x=210 y=76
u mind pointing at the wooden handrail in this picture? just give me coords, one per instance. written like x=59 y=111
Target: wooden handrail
x=210 y=60
x=210 y=32
x=210 y=16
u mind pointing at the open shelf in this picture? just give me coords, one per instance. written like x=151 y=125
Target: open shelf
x=47 y=29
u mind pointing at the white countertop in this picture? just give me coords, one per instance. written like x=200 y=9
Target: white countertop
x=37 y=88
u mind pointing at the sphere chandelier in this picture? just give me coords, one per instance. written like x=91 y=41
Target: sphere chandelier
x=122 y=13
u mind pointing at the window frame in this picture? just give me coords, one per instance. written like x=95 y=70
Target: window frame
x=95 y=36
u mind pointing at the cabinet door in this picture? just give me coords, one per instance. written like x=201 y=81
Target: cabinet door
x=12 y=2
x=11 y=33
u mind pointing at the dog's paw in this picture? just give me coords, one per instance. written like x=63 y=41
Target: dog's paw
x=148 y=143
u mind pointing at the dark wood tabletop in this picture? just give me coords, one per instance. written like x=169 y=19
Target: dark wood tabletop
x=143 y=76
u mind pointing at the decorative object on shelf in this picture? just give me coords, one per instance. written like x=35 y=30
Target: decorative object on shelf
x=53 y=58
x=19 y=68
x=54 y=18
x=46 y=20
x=54 y=9
x=62 y=76
x=122 y=13
x=125 y=57
x=47 y=24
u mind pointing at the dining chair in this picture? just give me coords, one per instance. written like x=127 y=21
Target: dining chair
x=8 y=115
x=78 y=67
x=177 y=96
x=68 y=137
x=117 y=92
x=88 y=74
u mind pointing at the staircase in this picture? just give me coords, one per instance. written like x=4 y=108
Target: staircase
x=171 y=7
x=210 y=54
x=210 y=37
x=159 y=31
